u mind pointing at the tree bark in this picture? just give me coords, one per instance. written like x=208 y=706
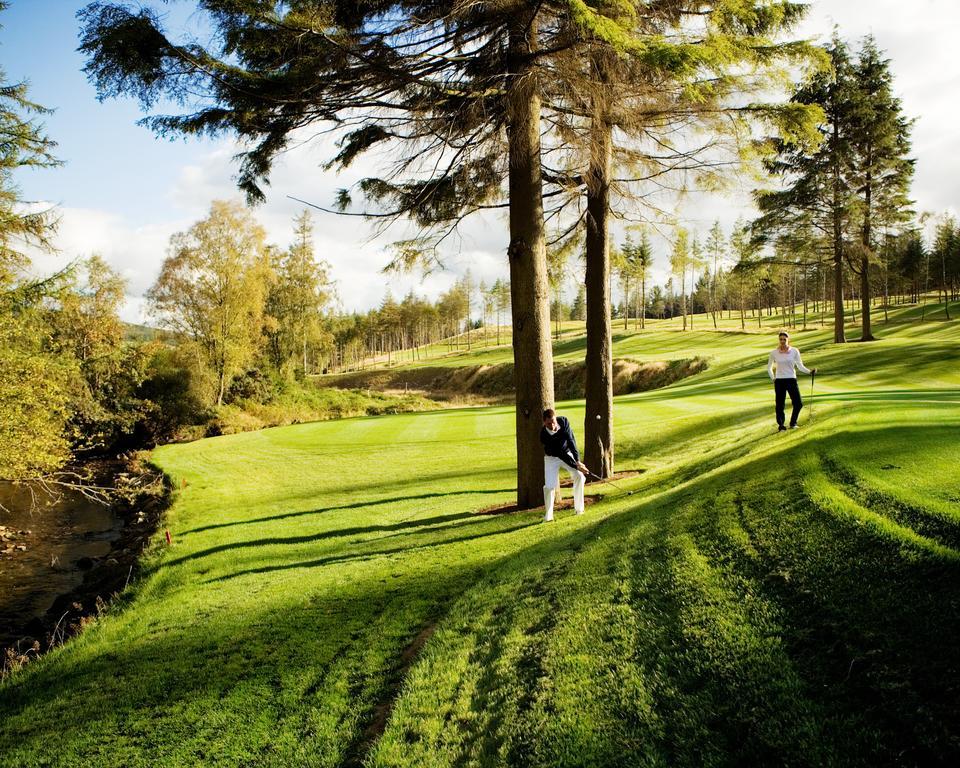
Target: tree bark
x=867 y=334
x=839 y=336
x=532 y=353
x=598 y=427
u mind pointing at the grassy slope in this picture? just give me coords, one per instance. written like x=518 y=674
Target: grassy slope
x=761 y=598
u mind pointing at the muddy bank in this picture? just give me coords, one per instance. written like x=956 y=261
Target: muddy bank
x=495 y=382
x=62 y=559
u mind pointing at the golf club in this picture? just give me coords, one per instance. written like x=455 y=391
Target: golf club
x=812 y=377
x=604 y=479
x=607 y=480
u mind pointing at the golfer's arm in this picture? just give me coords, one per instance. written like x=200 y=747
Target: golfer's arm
x=770 y=363
x=573 y=448
x=800 y=364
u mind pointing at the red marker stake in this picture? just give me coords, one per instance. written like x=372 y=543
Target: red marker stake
x=168 y=538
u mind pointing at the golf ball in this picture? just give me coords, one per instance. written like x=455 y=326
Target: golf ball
x=598 y=417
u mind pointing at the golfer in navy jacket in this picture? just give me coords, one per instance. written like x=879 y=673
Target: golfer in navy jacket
x=560 y=449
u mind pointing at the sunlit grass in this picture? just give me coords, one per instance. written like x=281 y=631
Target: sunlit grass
x=761 y=599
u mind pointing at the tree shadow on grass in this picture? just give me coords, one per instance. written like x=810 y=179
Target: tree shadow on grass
x=262 y=678
x=417 y=527
x=370 y=554
x=919 y=395
x=354 y=505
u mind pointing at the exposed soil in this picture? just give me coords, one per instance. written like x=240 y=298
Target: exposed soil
x=494 y=383
x=564 y=503
x=358 y=752
x=558 y=506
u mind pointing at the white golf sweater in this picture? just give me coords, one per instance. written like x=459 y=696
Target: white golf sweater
x=785 y=364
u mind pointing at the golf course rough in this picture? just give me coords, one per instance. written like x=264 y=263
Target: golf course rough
x=331 y=597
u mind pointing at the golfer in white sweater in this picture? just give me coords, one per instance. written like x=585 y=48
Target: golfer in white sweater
x=782 y=368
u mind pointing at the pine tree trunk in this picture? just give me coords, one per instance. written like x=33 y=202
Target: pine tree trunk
x=532 y=352
x=946 y=296
x=598 y=427
x=759 y=307
x=683 y=295
x=642 y=299
x=867 y=334
x=839 y=336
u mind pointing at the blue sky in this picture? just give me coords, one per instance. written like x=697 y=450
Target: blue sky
x=111 y=163
x=123 y=192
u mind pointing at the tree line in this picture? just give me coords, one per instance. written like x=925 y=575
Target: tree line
x=558 y=111
x=553 y=111
x=730 y=274
x=406 y=330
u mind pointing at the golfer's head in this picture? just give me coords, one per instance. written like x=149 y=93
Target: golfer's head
x=784 y=338
x=550 y=419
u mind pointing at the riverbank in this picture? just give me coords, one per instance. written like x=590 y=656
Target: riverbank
x=72 y=555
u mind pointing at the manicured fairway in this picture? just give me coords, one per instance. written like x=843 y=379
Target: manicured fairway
x=331 y=597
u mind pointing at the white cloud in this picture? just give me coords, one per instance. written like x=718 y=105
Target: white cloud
x=135 y=252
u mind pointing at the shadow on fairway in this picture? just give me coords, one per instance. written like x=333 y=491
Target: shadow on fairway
x=356 y=505
x=478 y=522
x=850 y=662
x=418 y=526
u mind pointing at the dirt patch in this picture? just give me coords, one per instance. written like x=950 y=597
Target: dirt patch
x=491 y=383
x=565 y=503
x=357 y=754
x=559 y=505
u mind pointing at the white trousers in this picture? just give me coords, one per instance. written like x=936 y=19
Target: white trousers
x=551 y=473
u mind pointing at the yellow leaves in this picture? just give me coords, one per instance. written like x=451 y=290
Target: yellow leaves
x=33 y=404
x=213 y=288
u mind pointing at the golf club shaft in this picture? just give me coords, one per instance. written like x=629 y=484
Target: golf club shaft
x=605 y=480
x=813 y=377
x=594 y=474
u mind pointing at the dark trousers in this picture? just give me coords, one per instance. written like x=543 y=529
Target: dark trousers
x=782 y=387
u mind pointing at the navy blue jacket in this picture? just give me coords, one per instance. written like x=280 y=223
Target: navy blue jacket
x=561 y=443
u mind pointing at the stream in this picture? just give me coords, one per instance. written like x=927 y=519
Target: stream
x=45 y=552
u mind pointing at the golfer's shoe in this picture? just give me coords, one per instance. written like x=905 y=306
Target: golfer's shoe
x=794 y=426
x=548 y=496
x=781 y=428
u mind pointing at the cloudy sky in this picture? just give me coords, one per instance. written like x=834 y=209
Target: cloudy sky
x=122 y=192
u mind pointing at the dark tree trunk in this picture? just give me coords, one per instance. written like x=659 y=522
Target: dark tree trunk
x=532 y=353
x=839 y=336
x=867 y=334
x=598 y=427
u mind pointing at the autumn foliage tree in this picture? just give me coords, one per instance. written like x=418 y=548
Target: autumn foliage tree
x=212 y=290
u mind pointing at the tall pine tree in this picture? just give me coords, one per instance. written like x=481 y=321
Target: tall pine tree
x=881 y=170
x=859 y=173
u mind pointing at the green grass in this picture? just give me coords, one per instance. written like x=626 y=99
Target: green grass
x=652 y=344
x=760 y=599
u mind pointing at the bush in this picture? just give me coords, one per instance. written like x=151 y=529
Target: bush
x=172 y=403
x=254 y=385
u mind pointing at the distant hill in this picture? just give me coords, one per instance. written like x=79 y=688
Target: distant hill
x=134 y=332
